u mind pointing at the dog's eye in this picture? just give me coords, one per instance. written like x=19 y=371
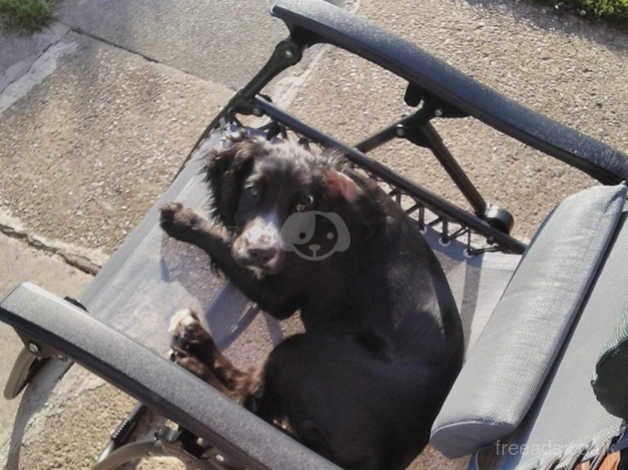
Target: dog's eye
x=304 y=203
x=252 y=190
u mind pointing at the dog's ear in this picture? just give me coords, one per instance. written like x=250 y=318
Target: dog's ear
x=363 y=209
x=339 y=184
x=225 y=173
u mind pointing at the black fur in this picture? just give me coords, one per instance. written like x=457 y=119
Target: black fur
x=383 y=339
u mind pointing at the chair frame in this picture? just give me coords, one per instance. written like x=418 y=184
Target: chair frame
x=53 y=329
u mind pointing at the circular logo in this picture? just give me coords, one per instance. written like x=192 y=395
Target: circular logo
x=315 y=235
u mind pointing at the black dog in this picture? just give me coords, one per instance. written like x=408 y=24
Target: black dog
x=383 y=344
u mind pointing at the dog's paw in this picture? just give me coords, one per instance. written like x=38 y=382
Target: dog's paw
x=188 y=332
x=186 y=325
x=191 y=346
x=169 y=211
x=176 y=219
x=180 y=319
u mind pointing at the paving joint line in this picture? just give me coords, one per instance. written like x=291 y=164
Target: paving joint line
x=79 y=261
x=81 y=31
x=148 y=58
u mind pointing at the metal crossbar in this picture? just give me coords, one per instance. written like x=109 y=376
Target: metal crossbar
x=423 y=206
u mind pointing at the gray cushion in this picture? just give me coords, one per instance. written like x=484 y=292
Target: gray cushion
x=565 y=419
x=513 y=355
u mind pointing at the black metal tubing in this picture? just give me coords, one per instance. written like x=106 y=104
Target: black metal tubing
x=319 y=21
x=286 y=54
x=394 y=130
x=428 y=134
x=435 y=203
x=444 y=92
x=417 y=129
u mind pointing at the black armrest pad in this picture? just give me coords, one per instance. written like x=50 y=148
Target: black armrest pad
x=336 y=26
x=160 y=384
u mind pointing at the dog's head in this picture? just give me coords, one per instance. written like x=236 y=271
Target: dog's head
x=286 y=206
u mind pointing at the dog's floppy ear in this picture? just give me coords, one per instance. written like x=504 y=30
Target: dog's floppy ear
x=363 y=208
x=339 y=184
x=225 y=174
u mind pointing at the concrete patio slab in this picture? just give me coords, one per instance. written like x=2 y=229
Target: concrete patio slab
x=226 y=42
x=92 y=135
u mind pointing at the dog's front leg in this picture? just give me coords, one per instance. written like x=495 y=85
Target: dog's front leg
x=186 y=225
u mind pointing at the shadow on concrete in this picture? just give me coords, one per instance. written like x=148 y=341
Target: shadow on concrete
x=545 y=17
x=225 y=42
x=32 y=400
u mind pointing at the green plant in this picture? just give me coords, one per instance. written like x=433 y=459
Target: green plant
x=615 y=10
x=25 y=16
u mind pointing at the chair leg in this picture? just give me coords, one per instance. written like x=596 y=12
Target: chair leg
x=166 y=443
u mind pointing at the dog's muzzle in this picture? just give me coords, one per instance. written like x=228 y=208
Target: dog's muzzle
x=259 y=244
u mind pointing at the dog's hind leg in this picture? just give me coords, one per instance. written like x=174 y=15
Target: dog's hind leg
x=194 y=349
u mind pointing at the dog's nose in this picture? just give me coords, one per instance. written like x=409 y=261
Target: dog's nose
x=261 y=255
x=314 y=247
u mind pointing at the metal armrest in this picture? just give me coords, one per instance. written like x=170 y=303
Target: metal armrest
x=319 y=21
x=44 y=319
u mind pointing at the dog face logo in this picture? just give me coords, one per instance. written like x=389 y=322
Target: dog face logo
x=315 y=235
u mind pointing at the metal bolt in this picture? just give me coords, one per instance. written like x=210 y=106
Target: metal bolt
x=33 y=347
x=220 y=458
x=288 y=54
x=438 y=112
x=400 y=131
